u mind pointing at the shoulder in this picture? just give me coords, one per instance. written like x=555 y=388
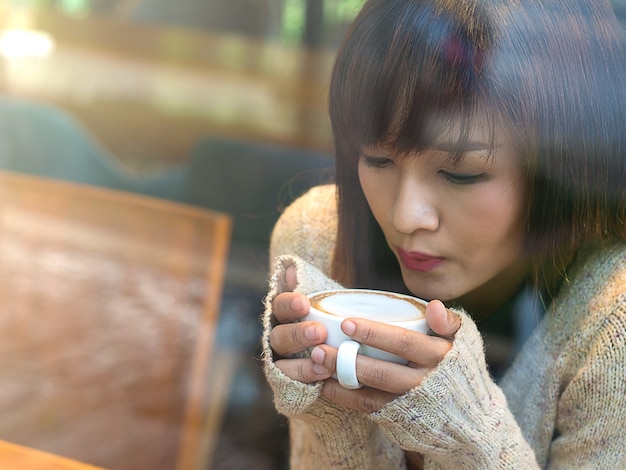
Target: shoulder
x=308 y=228
x=608 y=255
x=317 y=201
x=597 y=276
x=590 y=309
x=591 y=359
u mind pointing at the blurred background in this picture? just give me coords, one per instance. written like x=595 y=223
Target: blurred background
x=215 y=103
x=219 y=104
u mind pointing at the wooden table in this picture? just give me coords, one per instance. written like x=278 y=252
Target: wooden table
x=109 y=303
x=16 y=457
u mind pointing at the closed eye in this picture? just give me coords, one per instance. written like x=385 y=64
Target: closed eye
x=376 y=162
x=463 y=178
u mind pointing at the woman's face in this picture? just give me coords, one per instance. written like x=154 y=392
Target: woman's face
x=457 y=230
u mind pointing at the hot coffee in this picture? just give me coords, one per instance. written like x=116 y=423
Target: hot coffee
x=370 y=304
x=331 y=308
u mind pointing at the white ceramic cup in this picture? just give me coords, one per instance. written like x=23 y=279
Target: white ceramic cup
x=331 y=308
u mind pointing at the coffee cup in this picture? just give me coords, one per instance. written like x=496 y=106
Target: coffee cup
x=331 y=308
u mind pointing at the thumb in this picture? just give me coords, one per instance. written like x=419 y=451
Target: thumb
x=441 y=320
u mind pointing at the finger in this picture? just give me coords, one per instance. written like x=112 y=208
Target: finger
x=381 y=375
x=441 y=320
x=418 y=348
x=290 y=277
x=388 y=376
x=366 y=400
x=302 y=370
x=290 y=306
x=291 y=338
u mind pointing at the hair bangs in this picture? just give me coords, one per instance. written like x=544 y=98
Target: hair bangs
x=401 y=68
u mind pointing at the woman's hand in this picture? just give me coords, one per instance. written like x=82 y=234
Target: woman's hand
x=290 y=336
x=383 y=381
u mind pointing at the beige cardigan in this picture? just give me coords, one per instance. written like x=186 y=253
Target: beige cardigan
x=562 y=403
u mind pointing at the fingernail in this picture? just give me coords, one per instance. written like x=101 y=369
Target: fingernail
x=318 y=355
x=348 y=327
x=310 y=333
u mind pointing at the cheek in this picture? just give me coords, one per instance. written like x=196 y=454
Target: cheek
x=373 y=187
x=503 y=216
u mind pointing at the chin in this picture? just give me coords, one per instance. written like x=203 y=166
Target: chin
x=429 y=294
x=427 y=289
x=431 y=286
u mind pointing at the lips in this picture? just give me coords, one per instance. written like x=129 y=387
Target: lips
x=416 y=261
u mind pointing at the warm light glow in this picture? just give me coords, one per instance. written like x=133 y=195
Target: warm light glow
x=20 y=43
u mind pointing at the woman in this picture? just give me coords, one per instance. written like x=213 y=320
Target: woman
x=480 y=156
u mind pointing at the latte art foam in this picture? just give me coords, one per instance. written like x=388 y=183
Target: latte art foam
x=372 y=305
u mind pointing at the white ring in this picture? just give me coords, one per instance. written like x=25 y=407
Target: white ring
x=346 y=365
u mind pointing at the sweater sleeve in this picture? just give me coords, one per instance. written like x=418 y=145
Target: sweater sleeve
x=458 y=417
x=323 y=435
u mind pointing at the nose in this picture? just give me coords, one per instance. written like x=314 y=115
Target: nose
x=413 y=208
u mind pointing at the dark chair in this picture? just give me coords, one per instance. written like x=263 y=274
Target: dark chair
x=44 y=140
x=252 y=182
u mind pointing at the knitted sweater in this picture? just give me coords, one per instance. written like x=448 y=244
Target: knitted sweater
x=561 y=404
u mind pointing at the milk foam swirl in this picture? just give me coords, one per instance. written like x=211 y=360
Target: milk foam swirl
x=370 y=304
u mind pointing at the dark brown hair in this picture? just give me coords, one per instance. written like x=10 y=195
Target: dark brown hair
x=553 y=71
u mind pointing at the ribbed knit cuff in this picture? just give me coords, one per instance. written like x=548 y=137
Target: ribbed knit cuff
x=291 y=397
x=458 y=415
